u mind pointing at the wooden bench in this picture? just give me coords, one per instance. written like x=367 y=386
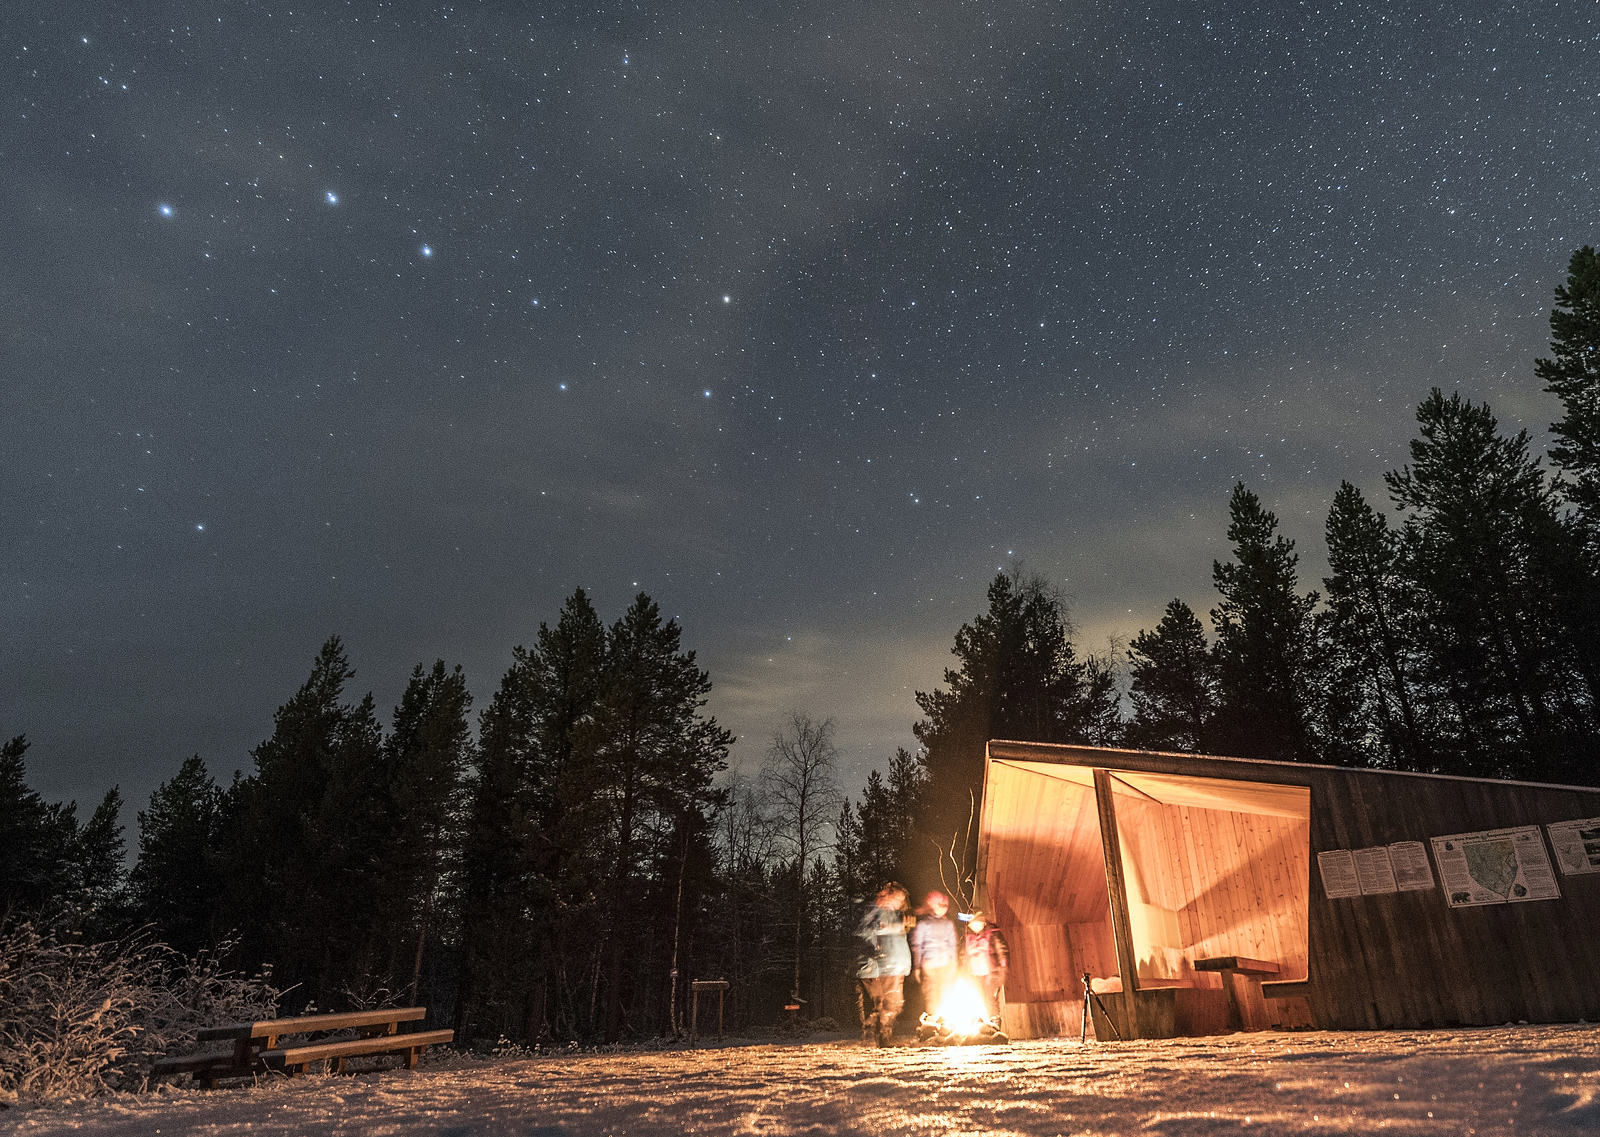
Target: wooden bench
x=253 y=1042
x=293 y=1060
x=1242 y=979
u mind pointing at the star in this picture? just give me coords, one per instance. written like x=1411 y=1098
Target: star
x=333 y=198
x=427 y=250
x=164 y=209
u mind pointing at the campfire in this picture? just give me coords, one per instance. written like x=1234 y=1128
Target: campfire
x=960 y=1020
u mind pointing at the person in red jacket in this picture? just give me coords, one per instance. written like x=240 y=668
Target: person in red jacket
x=987 y=958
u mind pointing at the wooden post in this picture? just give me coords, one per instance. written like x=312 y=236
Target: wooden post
x=696 y=986
x=1117 y=893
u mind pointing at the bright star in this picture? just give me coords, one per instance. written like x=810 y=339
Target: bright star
x=708 y=394
x=535 y=301
x=563 y=386
x=427 y=250
x=199 y=526
x=333 y=198
x=164 y=209
x=727 y=299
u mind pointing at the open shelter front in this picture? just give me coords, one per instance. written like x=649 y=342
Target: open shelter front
x=1184 y=886
x=1199 y=872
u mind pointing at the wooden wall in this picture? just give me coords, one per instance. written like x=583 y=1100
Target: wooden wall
x=1392 y=960
x=1044 y=882
x=1211 y=882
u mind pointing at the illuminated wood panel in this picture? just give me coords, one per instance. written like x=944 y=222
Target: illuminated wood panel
x=1043 y=879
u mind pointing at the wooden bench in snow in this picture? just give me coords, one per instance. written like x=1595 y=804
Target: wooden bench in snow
x=293 y=1060
x=255 y=1044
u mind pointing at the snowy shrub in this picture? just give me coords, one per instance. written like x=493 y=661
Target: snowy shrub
x=81 y=1018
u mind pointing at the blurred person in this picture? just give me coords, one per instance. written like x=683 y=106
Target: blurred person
x=881 y=978
x=934 y=950
x=987 y=958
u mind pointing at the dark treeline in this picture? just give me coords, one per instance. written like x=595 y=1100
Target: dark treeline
x=564 y=870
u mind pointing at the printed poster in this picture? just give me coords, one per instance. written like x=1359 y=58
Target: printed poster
x=1338 y=871
x=1374 y=871
x=1501 y=866
x=1410 y=861
x=1577 y=845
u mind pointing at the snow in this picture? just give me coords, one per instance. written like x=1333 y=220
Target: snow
x=1524 y=1080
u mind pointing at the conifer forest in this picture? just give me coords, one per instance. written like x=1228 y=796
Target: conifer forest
x=556 y=866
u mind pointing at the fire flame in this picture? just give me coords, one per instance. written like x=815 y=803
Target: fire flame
x=962 y=1008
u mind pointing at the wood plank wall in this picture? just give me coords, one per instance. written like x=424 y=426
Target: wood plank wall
x=1209 y=882
x=1393 y=960
x=1044 y=883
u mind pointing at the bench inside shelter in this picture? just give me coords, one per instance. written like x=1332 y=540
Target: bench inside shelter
x=1241 y=978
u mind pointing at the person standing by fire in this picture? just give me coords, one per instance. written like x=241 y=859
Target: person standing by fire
x=987 y=958
x=934 y=949
x=881 y=978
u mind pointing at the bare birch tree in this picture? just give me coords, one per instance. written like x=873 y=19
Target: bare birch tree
x=801 y=777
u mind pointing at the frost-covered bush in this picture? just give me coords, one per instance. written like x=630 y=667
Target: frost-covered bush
x=81 y=1018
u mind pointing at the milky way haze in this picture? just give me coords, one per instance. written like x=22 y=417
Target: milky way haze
x=401 y=323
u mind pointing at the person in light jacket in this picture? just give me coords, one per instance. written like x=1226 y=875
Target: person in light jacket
x=881 y=978
x=934 y=950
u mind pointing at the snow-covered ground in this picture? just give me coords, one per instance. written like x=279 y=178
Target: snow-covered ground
x=1525 y=1080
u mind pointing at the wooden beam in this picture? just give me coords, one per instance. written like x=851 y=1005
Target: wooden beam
x=1117 y=893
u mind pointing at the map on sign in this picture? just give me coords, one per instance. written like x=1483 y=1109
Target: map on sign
x=1501 y=866
x=1577 y=844
x=1493 y=865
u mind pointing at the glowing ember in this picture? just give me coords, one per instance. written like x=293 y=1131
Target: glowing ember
x=962 y=1008
x=960 y=1020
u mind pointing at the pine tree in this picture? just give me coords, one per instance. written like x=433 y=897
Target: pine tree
x=526 y=861
x=876 y=834
x=1573 y=376
x=424 y=759
x=176 y=883
x=1174 y=684
x=1490 y=559
x=1369 y=626
x=37 y=841
x=648 y=756
x=299 y=862
x=499 y=864
x=1266 y=649
x=99 y=857
x=1019 y=679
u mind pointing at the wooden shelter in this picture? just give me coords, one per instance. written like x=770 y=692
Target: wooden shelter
x=1206 y=894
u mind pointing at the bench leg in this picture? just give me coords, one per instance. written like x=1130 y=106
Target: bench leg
x=412 y=1055
x=336 y=1065
x=1244 y=993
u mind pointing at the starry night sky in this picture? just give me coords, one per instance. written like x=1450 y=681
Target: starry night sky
x=401 y=322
